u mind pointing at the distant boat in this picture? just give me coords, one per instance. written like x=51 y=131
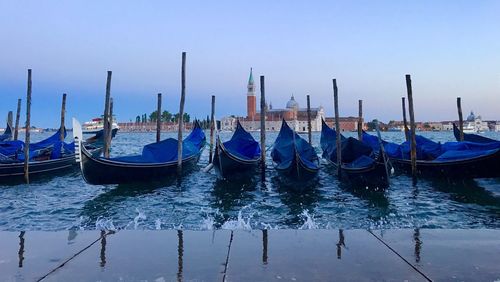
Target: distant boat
x=360 y=166
x=96 y=125
x=239 y=155
x=293 y=156
x=158 y=160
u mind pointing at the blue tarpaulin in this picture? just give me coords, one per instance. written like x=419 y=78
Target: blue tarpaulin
x=289 y=143
x=243 y=145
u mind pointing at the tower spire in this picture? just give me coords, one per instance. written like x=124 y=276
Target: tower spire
x=250 y=78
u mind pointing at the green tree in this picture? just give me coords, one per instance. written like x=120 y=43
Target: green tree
x=137 y=119
x=153 y=116
x=166 y=116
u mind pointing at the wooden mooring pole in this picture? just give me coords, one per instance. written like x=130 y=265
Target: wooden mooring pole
x=337 y=126
x=181 y=114
x=413 y=147
x=28 y=125
x=63 y=113
x=460 y=118
x=106 y=127
x=360 y=120
x=110 y=125
x=405 y=122
x=18 y=116
x=263 y=126
x=212 y=128
x=309 y=125
x=158 y=119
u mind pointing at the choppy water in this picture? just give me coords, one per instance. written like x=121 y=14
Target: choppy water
x=201 y=202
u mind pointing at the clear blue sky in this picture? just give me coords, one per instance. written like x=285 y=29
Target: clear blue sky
x=451 y=48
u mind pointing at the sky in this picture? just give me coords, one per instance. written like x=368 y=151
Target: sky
x=450 y=48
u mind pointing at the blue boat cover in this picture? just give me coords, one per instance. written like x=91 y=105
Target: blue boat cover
x=166 y=150
x=287 y=144
x=471 y=137
x=361 y=162
x=7 y=134
x=52 y=147
x=243 y=145
x=429 y=150
x=355 y=154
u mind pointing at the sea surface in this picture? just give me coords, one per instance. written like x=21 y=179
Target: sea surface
x=199 y=201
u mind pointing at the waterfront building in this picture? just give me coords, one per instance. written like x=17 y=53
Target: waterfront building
x=295 y=116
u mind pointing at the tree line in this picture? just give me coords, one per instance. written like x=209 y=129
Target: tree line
x=165 y=116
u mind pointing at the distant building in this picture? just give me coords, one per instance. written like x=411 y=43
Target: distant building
x=497 y=126
x=295 y=116
x=475 y=124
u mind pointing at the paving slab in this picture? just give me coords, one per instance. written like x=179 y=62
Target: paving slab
x=314 y=255
x=449 y=255
x=27 y=256
x=169 y=255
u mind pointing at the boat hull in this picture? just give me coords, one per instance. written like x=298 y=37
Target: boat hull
x=228 y=165
x=487 y=166
x=297 y=170
x=15 y=171
x=105 y=171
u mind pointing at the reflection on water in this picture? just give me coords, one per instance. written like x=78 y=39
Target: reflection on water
x=418 y=244
x=21 y=249
x=264 y=246
x=103 y=249
x=340 y=244
x=180 y=254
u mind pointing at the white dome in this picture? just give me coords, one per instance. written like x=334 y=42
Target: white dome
x=292 y=104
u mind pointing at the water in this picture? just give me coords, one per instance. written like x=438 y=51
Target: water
x=201 y=202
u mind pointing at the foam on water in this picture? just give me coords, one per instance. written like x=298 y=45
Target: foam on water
x=308 y=221
x=104 y=224
x=239 y=224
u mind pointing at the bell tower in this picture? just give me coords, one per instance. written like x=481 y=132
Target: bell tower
x=251 y=98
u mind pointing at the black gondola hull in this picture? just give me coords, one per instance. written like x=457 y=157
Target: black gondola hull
x=228 y=165
x=297 y=170
x=487 y=166
x=14 y=171
x=104 y=171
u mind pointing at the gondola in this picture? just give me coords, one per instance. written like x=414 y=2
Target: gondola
x=46 y=156
x=451 y=160
x=98 y=138
x=238 y=156
x=158 y=160
x=360 y=167
x=7 y=134
x=293 y=156
x=471 y=137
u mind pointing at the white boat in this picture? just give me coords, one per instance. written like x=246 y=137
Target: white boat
x=96 y=125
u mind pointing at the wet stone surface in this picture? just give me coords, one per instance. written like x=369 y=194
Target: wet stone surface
x=258 y=255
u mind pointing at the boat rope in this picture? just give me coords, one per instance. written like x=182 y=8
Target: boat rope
x=227 y=257
x=400 y=256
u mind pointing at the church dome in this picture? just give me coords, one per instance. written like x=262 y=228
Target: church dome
x=471 y=117
x=292 y=104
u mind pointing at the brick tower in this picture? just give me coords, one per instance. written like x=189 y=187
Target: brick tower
x=251 y=99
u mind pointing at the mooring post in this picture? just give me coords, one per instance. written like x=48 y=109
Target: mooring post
x=158 y=119
x=181 y=114
x=63 y=112
x=263 y=126
x=212 y=128
x=18 y=116
x=412 y=127
x=337 y=126
x=264 y=246
x=405 y=122
x=106 y=127
x=360 y=120
x=28 y=125
x=460 y=118
x=309 y=125
x=110 y=125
